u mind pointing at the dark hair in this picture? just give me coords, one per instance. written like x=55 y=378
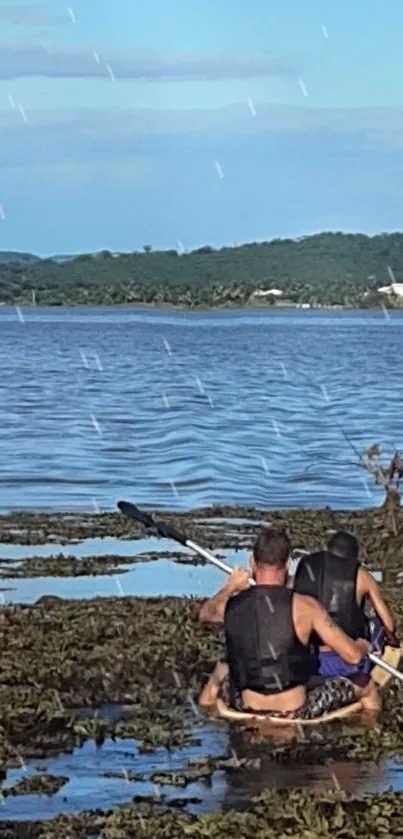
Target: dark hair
x=272 y=547
x=343 y=544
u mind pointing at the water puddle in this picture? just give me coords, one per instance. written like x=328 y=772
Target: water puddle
x=218 y=522
x=357 y=778
x=88 y=547
x=89 y=787
x=160 y=577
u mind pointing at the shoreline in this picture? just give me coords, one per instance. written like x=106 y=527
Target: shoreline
x=320 y=270
x=201 y=308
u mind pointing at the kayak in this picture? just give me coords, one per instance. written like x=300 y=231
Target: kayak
x=391 y=655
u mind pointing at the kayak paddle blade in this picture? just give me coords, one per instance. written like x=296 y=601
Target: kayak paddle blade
x=132 y=512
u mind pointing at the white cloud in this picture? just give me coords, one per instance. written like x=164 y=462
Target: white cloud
x=25 y=14
x=17 y=61
x=133 y=170
x=83 y=131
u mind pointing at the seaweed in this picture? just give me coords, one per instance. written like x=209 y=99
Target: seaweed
x=37 y=785
x=271 y=815
x=150 y=657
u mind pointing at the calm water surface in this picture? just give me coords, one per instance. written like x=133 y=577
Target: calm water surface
x=178 y=410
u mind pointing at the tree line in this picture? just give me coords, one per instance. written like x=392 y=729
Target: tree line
x=328 y=269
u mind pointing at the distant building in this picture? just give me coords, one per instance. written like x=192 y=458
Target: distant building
x=274 y=292
x=394 y=288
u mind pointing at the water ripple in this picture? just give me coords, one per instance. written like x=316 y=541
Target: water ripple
x=246 y=409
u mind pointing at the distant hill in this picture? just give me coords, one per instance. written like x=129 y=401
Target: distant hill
x=64 y=258
x=328 y=269
x=30 y=258
x=15 y=256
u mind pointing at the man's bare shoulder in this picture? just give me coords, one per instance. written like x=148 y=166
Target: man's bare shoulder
x=365 y=579
x=305 y=600
x=364 y=574
x=305 y=603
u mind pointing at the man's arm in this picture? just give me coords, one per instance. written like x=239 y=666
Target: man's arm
x=370 y=588
x=213 y=609
x=352 y=652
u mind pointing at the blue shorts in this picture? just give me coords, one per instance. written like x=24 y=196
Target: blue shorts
x=330 y=665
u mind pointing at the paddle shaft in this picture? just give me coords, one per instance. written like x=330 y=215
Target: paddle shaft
x=385 y=666
x=197 y=549
x=165 y=530
x=169 y=532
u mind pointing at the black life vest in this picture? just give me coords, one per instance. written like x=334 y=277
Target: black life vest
x=263 y=651
x=332 y=580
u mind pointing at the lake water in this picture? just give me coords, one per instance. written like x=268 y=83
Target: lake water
x=176 y=410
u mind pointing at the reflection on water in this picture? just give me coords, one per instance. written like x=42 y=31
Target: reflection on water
x=88 y=547
x=141 y=579
x=88 y=788
x=161 y=577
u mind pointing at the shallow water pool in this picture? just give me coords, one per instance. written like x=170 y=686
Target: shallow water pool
x=88 y=788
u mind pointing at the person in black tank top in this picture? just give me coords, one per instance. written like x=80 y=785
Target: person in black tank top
x=335 y=578
x=264 y=652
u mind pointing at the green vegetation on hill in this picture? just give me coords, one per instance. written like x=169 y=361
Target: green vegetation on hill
x=326 y=269
x=15 y=256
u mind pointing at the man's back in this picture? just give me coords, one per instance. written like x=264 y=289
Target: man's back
x=264 y=651
x=267 y=630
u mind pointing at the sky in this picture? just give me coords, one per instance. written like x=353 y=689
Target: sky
x=176 y=123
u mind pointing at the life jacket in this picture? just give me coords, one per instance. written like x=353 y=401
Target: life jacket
x=332 y=580
x=263 y=651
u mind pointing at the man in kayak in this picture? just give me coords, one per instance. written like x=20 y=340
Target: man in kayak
x=335 y=578
x=268 y=628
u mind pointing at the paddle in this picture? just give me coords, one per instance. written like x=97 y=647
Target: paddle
x=168 y=532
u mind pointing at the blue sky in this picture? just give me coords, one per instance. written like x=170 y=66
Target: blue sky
x=152 y=121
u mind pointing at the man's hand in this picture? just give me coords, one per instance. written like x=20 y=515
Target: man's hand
x=364 y=646
x=391 y=639
x=239 y=580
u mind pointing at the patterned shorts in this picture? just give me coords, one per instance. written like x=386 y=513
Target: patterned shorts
x=329 y=696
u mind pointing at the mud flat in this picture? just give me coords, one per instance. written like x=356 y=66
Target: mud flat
x=273 y=815
x=218 y=527
x=128 y=669
x=150 y=656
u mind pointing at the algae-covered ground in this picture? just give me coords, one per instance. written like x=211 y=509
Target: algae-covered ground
x=218 y=527
x=63 y=661
x=272 y=815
